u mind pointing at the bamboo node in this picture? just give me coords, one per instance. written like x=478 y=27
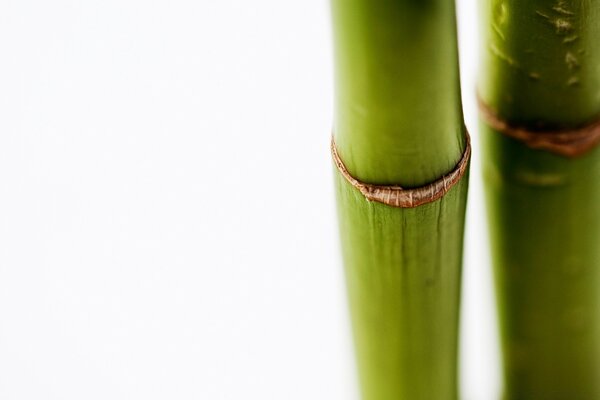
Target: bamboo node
x=563 y=142
x=397 y=196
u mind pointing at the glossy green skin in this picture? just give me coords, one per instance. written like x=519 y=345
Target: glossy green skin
x=403 y=269
x=398 y=120
x=398 y=117
x=545 y=224
x=541 y=69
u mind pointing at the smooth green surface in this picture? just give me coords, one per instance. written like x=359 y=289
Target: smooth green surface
x=398 y=121
x=398 y=117
x=545 y=227
x=541 y=68
x=403 y=276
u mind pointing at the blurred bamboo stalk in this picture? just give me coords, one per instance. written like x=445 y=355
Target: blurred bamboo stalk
x=540 y=72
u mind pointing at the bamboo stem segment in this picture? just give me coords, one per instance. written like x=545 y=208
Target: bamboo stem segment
x=540 y=72
x=398 y=122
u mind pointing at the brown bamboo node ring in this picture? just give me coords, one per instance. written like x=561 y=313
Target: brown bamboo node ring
x=564 y=142
x=396 y=196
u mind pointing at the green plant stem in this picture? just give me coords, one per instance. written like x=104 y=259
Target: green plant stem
x=541 y=69
x=541 y=61
x=398 y=117
x=398 y=120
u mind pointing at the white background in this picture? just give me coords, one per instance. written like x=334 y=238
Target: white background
x=167 y=221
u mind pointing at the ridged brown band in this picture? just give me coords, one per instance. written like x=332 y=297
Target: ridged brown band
x=566 y=142
x=397 y=196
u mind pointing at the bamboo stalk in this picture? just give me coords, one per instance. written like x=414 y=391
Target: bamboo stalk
x=541 y=71
x=398 y=121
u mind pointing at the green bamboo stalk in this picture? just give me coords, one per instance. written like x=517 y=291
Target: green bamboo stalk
x=398 y=120
x=541 y=70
